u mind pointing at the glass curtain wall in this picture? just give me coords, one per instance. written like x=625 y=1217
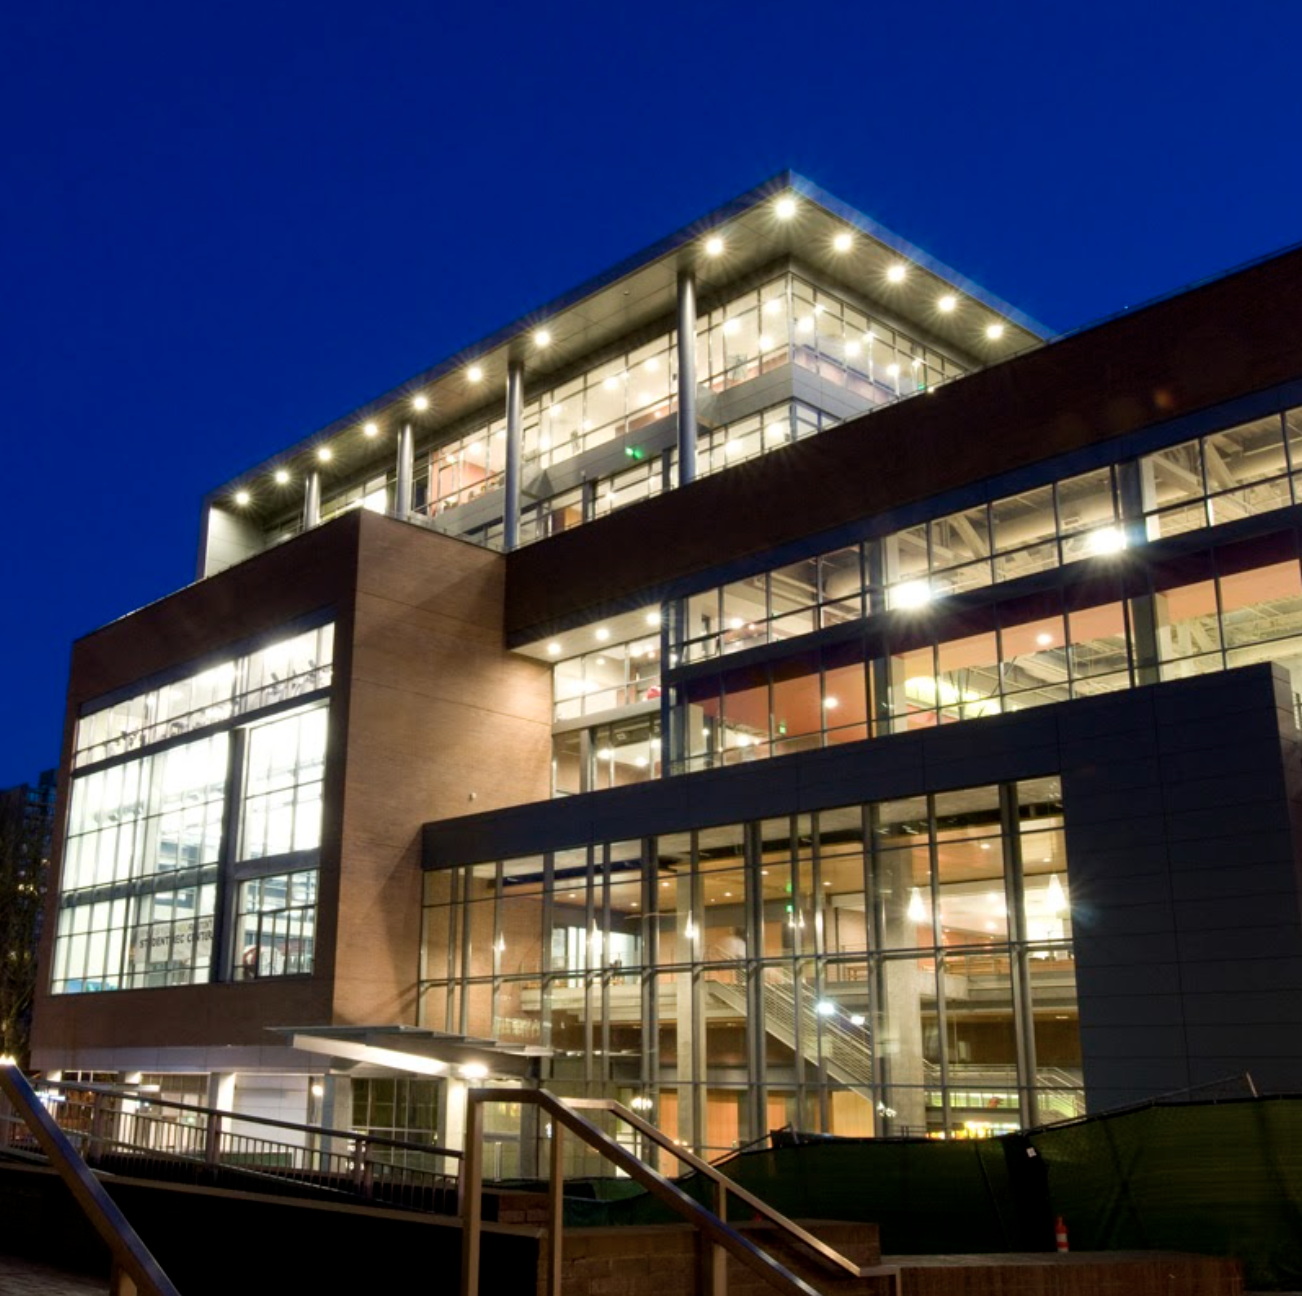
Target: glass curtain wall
x=157 y=844
x=899 y=967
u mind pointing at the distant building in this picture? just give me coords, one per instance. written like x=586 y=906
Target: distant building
x=773 y=684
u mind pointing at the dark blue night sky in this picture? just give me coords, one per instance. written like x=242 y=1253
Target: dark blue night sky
x=225 y=225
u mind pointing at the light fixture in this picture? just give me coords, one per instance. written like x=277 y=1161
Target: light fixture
x=844 y=241
x=893 y=370
x=1107 y=540
x=474 y=1071
x=652 y=364
x=1057 y=900
x=947 y=303
x=553 y=649
x=765 y=342
x=714 y=246
x=785 y=207
x=641 y=762
x=542 y=338
x=830 y=703
x=1043 y=639
x=371 y=429
x=602 y=634
x=853 y=348
x=420 y=403
x=318 y=1090
x=475 y=374
x=734 y=623
x=994 y=331
x=611 y=384
x=325 y=454
x=825 y=1008
x=653 y=618
x=281 y=477
x=242 y=498
x=773 y=305
x=896 y=273
x=805 y=324
x=917 y=911
x=731 y=326
x=858 y=1019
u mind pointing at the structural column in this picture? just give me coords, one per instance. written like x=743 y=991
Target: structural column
x=686 y=377
x=312 y=501
x=405 y=472
x=514 y=452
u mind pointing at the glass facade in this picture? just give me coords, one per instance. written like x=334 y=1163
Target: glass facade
x=172 y=839
x=898 y=967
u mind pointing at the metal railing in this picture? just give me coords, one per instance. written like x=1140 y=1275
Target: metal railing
x=134 y=1270
x=133 y=1132
x=722 y=1239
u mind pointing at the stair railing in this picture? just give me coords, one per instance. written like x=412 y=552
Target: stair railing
x=723 y=1240
x=135 y=1272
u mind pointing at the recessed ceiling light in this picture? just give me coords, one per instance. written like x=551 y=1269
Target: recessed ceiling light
x=281 y=477
x=652 y=364
x=653 y=618
x=475 y=374
x=371 y=429
x=830 y=703
x=994 y=331
x=852 y=348
x=420 y=403
x=731 y=326
x=242 y=498
x=844 y=241
x=542 y=338
x=602 y=634
x=605 y=753
x=947 y=303
x=785 y=207
x=553 y=649
x=714 y=246
x=611 y=384
x=893 y=370
x=1044 y=640
x=325 y=454
x=896 y=273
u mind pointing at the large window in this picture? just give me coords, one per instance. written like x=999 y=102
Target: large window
x=157 y=850
x=850 y=971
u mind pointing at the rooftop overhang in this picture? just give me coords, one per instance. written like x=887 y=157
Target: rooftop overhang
x=414 y=1050
x=786 y=217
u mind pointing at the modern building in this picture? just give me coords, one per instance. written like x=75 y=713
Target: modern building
x=773 y=684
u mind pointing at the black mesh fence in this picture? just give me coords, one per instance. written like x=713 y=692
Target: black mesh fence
x=1220 y=1178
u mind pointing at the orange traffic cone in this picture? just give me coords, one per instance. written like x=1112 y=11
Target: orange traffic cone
x=1060 y=1233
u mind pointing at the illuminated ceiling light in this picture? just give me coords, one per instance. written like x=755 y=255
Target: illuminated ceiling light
x=805 y=324
x=773 y=305
x=844 y=241
x=553 y=649
x=420 y=403
x=474 y=1071
x=475 y=374
x=325 y=454
x=734 y=623
x=765 y=342
x=652 y=364
x=242 y=498
x=605 y=753
x=912 y=594
x=825 y=1008
x=602 y=634
x=896 y=273
x=853 y=348
x=785 y=207
x=858 y=1019
x=917 y=911
x=281 y=477
x=893 y=370
x=1107 y=540
x=714 y=246
x=653 y=618
x=542 y=338
x=1043 y=639
x=641 y=762
x=371 y=429
x=731 y=326
x=611 y=384
x=947 y=303
x=994 y=331
x=831 y=703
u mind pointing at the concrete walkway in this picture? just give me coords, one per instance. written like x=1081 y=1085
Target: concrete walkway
x=28 y=1278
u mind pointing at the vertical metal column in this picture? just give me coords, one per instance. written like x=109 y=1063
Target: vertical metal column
x=1023 y=1013
x=686 y=377
x=1143 y=602
x=405 y=472
x=514 y=452
x=312 y=501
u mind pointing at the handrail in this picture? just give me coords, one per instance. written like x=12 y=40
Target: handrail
x=713 y=1225
x=712 y=1172
x=373 y=1140
x=134 y=1267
